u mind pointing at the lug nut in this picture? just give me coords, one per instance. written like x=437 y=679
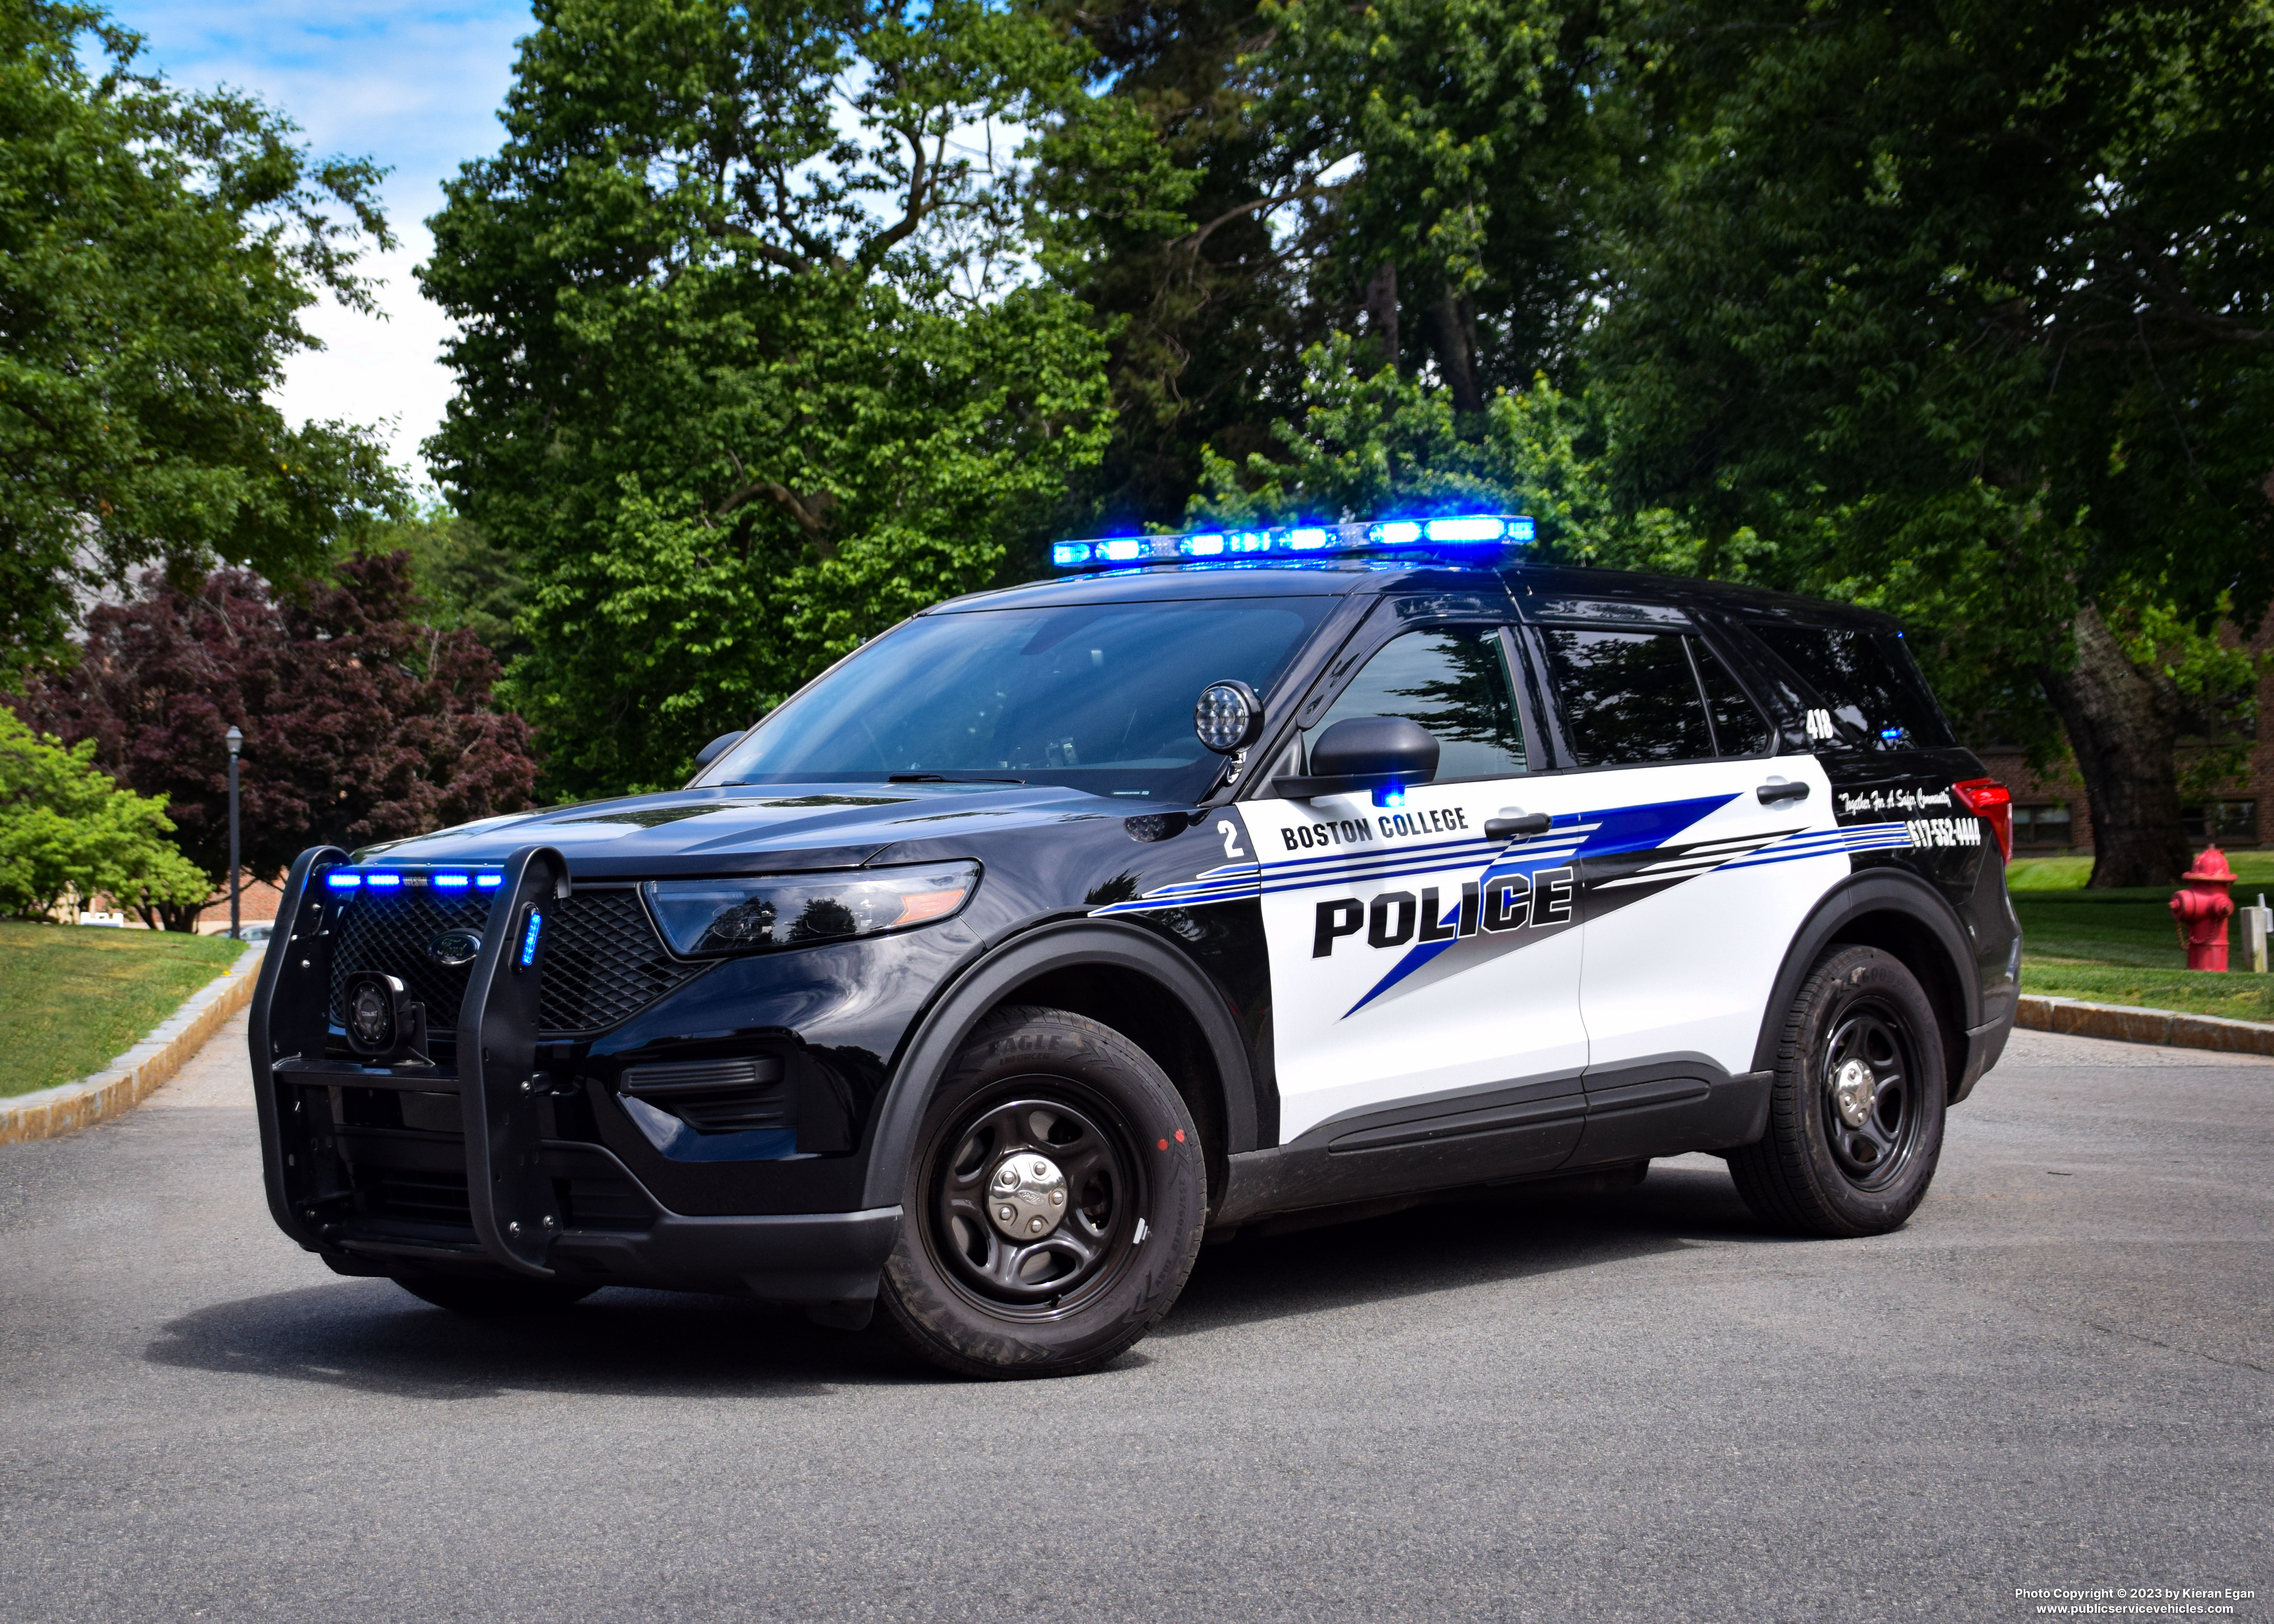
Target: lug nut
x=1035 y=1226
x=1006 y=1213
x=514 y=1229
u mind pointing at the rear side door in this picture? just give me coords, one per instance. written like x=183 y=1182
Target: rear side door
x=1707 y=848
x=1418 y=969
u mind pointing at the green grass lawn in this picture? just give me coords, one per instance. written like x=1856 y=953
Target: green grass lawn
x=2120 y=946
x=72 y=999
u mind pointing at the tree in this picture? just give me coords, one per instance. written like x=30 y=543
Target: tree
x=466 y=580
x=753 y=363
x=66 y=828
x=1965 y=309
x=361 y=724
x=155 y=250
x=1419 y=172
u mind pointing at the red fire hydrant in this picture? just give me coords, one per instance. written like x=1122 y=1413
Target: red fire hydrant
x=2200 y=907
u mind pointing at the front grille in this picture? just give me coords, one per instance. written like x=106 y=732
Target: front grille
x=603 y=961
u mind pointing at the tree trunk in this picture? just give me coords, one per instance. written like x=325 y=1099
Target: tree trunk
x=1382 y=310
x=2123 y=722
x=1453 y=334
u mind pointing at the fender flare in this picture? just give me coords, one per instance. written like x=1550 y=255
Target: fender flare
x=940 y=1034
x=1877 y=891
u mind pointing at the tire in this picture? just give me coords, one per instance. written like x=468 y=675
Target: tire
x=991 y=1277
x=1856 y=1112
x=492 y=1296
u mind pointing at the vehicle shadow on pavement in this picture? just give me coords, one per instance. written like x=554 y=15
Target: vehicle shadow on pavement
x=371 y=1336
x=1447 y=1245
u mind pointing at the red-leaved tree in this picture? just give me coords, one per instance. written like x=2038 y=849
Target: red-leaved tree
x=361 y=724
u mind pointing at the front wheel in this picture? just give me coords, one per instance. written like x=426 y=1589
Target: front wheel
x=1855 y=1116
x=1055 y=1204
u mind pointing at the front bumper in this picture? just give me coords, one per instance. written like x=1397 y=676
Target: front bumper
x=448 y=1165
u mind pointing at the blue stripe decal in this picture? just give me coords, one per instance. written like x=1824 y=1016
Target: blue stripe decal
x=1613 y=833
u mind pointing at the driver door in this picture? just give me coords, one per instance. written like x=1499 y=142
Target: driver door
x=1423 y=972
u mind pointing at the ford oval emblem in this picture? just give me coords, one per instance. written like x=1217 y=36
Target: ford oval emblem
x=454 y=948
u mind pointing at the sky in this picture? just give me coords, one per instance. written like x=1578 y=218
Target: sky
x=414 y=84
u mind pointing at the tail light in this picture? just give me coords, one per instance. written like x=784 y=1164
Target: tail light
x=1988 y=799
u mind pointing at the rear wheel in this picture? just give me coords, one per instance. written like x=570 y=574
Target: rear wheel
x=492 y=1298
x=1054 y=1206
x=1856 y=1116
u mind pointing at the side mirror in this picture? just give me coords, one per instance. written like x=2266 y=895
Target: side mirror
x=716 y=747
x=1364 y=752
x=1229 y=716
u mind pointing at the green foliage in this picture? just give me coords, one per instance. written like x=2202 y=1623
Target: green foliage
x=1374 y=445
x=1965 y=306
x=465 y=579
x=155 y=250
x=65 y=827
x=1419 y=171
x=740 y=386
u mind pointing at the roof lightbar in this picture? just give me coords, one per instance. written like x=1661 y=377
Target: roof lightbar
x=1495 y=530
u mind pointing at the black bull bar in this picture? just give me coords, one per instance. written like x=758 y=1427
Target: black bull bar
x=510 y=1166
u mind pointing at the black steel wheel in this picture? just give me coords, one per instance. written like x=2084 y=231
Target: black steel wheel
x=1856 y=1113
x=1054 y=1206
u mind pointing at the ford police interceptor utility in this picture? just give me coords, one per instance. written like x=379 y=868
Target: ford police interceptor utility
x=1228 y=877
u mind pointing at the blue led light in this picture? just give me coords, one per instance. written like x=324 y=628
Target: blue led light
x=1390 y=795
x=1890 y=733
x=529 y=939
x=489 y=882
x=383 y=882
x=343 y=881
x=452 y=882
x=1140 y=551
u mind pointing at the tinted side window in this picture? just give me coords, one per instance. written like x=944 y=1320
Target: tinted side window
x=1866 y=681
x=1739 y=729
x=1627 y=697
x=1454 y=682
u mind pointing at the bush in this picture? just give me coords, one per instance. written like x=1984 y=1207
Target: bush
x=64 y=826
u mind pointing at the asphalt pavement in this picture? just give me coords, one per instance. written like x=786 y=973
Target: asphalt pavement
x=1635 y=1406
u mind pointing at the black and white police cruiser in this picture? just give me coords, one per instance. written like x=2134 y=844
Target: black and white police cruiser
x=988 y=975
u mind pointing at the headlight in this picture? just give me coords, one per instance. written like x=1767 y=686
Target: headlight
x=798 y=910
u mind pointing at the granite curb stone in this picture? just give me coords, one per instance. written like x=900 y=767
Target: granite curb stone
x=2169 y=1028
x=130 y=1079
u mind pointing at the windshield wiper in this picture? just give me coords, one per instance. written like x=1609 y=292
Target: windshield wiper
x=941 y=777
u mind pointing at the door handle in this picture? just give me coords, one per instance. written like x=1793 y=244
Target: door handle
x=1777 y=790
x=1513 y=828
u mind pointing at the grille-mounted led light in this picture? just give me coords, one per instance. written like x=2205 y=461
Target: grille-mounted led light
x=1458 y=530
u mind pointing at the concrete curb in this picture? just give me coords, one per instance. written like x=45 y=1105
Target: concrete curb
x=129 y=1080
x=2131 y=1026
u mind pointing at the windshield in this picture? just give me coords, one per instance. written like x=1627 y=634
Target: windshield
x=1093 y=696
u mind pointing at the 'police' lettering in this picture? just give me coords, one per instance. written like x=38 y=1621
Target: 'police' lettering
x=1339 y=918
x=1552 y=905
x=1508 y=902
x=1391 y=904
x=1432 y=930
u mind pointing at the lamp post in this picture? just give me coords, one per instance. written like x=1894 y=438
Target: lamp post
x=236 y=743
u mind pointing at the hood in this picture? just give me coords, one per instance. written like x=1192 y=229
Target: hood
x=746 y=829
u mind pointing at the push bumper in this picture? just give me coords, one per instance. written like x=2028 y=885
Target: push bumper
x=533 y=1205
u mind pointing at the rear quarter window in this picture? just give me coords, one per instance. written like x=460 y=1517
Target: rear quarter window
x=1865 y=680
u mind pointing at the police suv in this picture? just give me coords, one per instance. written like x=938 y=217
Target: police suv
x=989 y=973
